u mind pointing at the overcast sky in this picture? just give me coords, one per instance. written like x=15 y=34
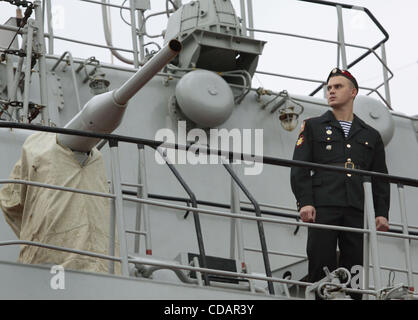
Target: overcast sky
x=283 y=55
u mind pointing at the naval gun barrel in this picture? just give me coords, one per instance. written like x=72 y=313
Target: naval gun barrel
x=104 y=112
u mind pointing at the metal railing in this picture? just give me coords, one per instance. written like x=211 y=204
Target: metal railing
x=117 y=197
x=342 y=50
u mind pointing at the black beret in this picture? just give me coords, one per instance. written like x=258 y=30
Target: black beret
x=344 y=73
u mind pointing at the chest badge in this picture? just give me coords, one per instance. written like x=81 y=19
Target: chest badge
x=329 y=132
x=300 y=141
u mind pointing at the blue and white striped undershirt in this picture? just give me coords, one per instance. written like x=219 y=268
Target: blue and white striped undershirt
x=346 y=125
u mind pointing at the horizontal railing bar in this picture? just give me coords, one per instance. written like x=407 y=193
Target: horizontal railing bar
x=290 y=77
x=223 y=153
x=47 y=35
x=50 y=186
x=141 y=233
x=244 y=217
x=52 y=247
x=398 y=224
x=136 y=185
x=211 y=204
x=12 y=28
x=106 y=4
x=306 y=37
x=88 y=43
x=371 y=90
x=277 y=253
x=395 y=269
x=267 y=205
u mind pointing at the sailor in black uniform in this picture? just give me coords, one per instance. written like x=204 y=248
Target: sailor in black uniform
x=340 y=138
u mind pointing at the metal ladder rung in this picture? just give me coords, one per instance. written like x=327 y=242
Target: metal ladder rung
x=133 y=185
x=141 y=233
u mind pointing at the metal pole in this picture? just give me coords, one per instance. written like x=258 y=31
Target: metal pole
x=371 y=220
x=18 y=73
x=50 y=28
x=250 y=16
x=141 y=24
x=28 y=71
x=118 y=204
x=385 y=75
x=133 y=31
x=112 y=233
x=139 y=206
x=236 y=224
x=142 y=179
x=232 y=244
x=404 y=221
x=366 y=258
x=338 y=49
x=341 y=39
x=243 y=17
x=10 y=76
x=41 y=61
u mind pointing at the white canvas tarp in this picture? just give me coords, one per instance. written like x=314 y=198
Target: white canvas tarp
x=58 y=217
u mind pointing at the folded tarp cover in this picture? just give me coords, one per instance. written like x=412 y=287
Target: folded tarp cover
x=57 y=217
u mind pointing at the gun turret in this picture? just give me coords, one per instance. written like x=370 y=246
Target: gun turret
x=104 y=112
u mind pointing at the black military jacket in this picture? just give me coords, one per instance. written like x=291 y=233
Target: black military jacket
x=322 y=140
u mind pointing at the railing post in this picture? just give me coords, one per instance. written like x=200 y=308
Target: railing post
x=385 y=74
x=112 y=233
x=404 y=222
x=40 y=40
x=236 y=225
x=49 y=25
x=366 y=258
x=143 y=208
x=371 y=220
x=28 y=70
x=341 y=38
x=250 y=17
x=243 y=17
x=141 y=24
x=118 y=205
x=133 y=33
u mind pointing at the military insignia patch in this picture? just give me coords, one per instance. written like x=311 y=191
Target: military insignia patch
x=300 y=141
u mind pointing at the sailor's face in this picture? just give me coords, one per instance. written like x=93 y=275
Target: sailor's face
x=340 y=91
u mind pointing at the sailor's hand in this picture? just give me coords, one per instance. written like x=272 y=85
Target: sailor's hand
x=307 y=214
x=382 y=224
